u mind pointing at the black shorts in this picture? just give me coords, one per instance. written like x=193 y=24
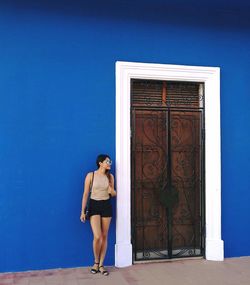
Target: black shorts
x=102 y=208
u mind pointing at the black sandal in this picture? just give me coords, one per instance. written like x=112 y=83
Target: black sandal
x=104 y=272
x=93 y=270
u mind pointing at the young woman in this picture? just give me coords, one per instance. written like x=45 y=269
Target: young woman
x=102 y=182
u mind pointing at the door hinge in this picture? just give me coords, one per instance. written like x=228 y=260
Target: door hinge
x=131 y=133
x=203 y=231
x=203 y=134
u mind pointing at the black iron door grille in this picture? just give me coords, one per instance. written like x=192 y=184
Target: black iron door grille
x=167 y=147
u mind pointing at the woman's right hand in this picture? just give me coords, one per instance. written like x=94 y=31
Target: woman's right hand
x=83 y=217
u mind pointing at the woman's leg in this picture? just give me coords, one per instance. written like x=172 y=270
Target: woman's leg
x=95 y=222
x=105 y=228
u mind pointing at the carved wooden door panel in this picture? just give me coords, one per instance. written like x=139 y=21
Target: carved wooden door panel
x=149 y=160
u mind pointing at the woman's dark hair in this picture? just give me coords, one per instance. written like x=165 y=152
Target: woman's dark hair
x=101 y=158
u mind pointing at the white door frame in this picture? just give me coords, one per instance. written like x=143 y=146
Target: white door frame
x=125 y=71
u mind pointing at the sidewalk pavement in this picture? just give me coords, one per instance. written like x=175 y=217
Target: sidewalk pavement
x=231 y=271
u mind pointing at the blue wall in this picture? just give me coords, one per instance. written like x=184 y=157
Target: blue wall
x=57 y=112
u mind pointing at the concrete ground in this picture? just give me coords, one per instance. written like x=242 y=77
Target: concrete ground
x=231 y=271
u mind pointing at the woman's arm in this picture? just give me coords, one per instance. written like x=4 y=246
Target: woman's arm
x=85 y=194
x=111 y=190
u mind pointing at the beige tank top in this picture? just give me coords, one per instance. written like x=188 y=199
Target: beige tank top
x=100 y=187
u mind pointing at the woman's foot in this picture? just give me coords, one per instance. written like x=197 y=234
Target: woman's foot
x=103 y=271
x=95 y=268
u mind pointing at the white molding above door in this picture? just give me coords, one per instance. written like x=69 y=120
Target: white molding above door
x=210 y=76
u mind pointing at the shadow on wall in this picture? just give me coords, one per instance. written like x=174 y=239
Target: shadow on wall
x=205 y=13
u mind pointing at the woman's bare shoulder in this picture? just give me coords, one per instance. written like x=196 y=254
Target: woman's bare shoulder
x=89 y=174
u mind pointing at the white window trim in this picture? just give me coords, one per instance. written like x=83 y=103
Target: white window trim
x=211 y=77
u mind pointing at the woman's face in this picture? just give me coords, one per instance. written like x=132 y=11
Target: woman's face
x=106 y=163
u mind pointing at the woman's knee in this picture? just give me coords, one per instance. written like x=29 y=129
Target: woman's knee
x=97 y=237
x=104 y=236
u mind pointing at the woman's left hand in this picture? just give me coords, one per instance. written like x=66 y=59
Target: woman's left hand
x=111 y=191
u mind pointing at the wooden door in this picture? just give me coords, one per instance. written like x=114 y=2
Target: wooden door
x=167 y=176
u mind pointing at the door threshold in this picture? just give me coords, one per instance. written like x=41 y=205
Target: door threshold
x=167 y=260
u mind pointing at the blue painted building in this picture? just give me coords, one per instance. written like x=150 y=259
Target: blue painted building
x=58 y=111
